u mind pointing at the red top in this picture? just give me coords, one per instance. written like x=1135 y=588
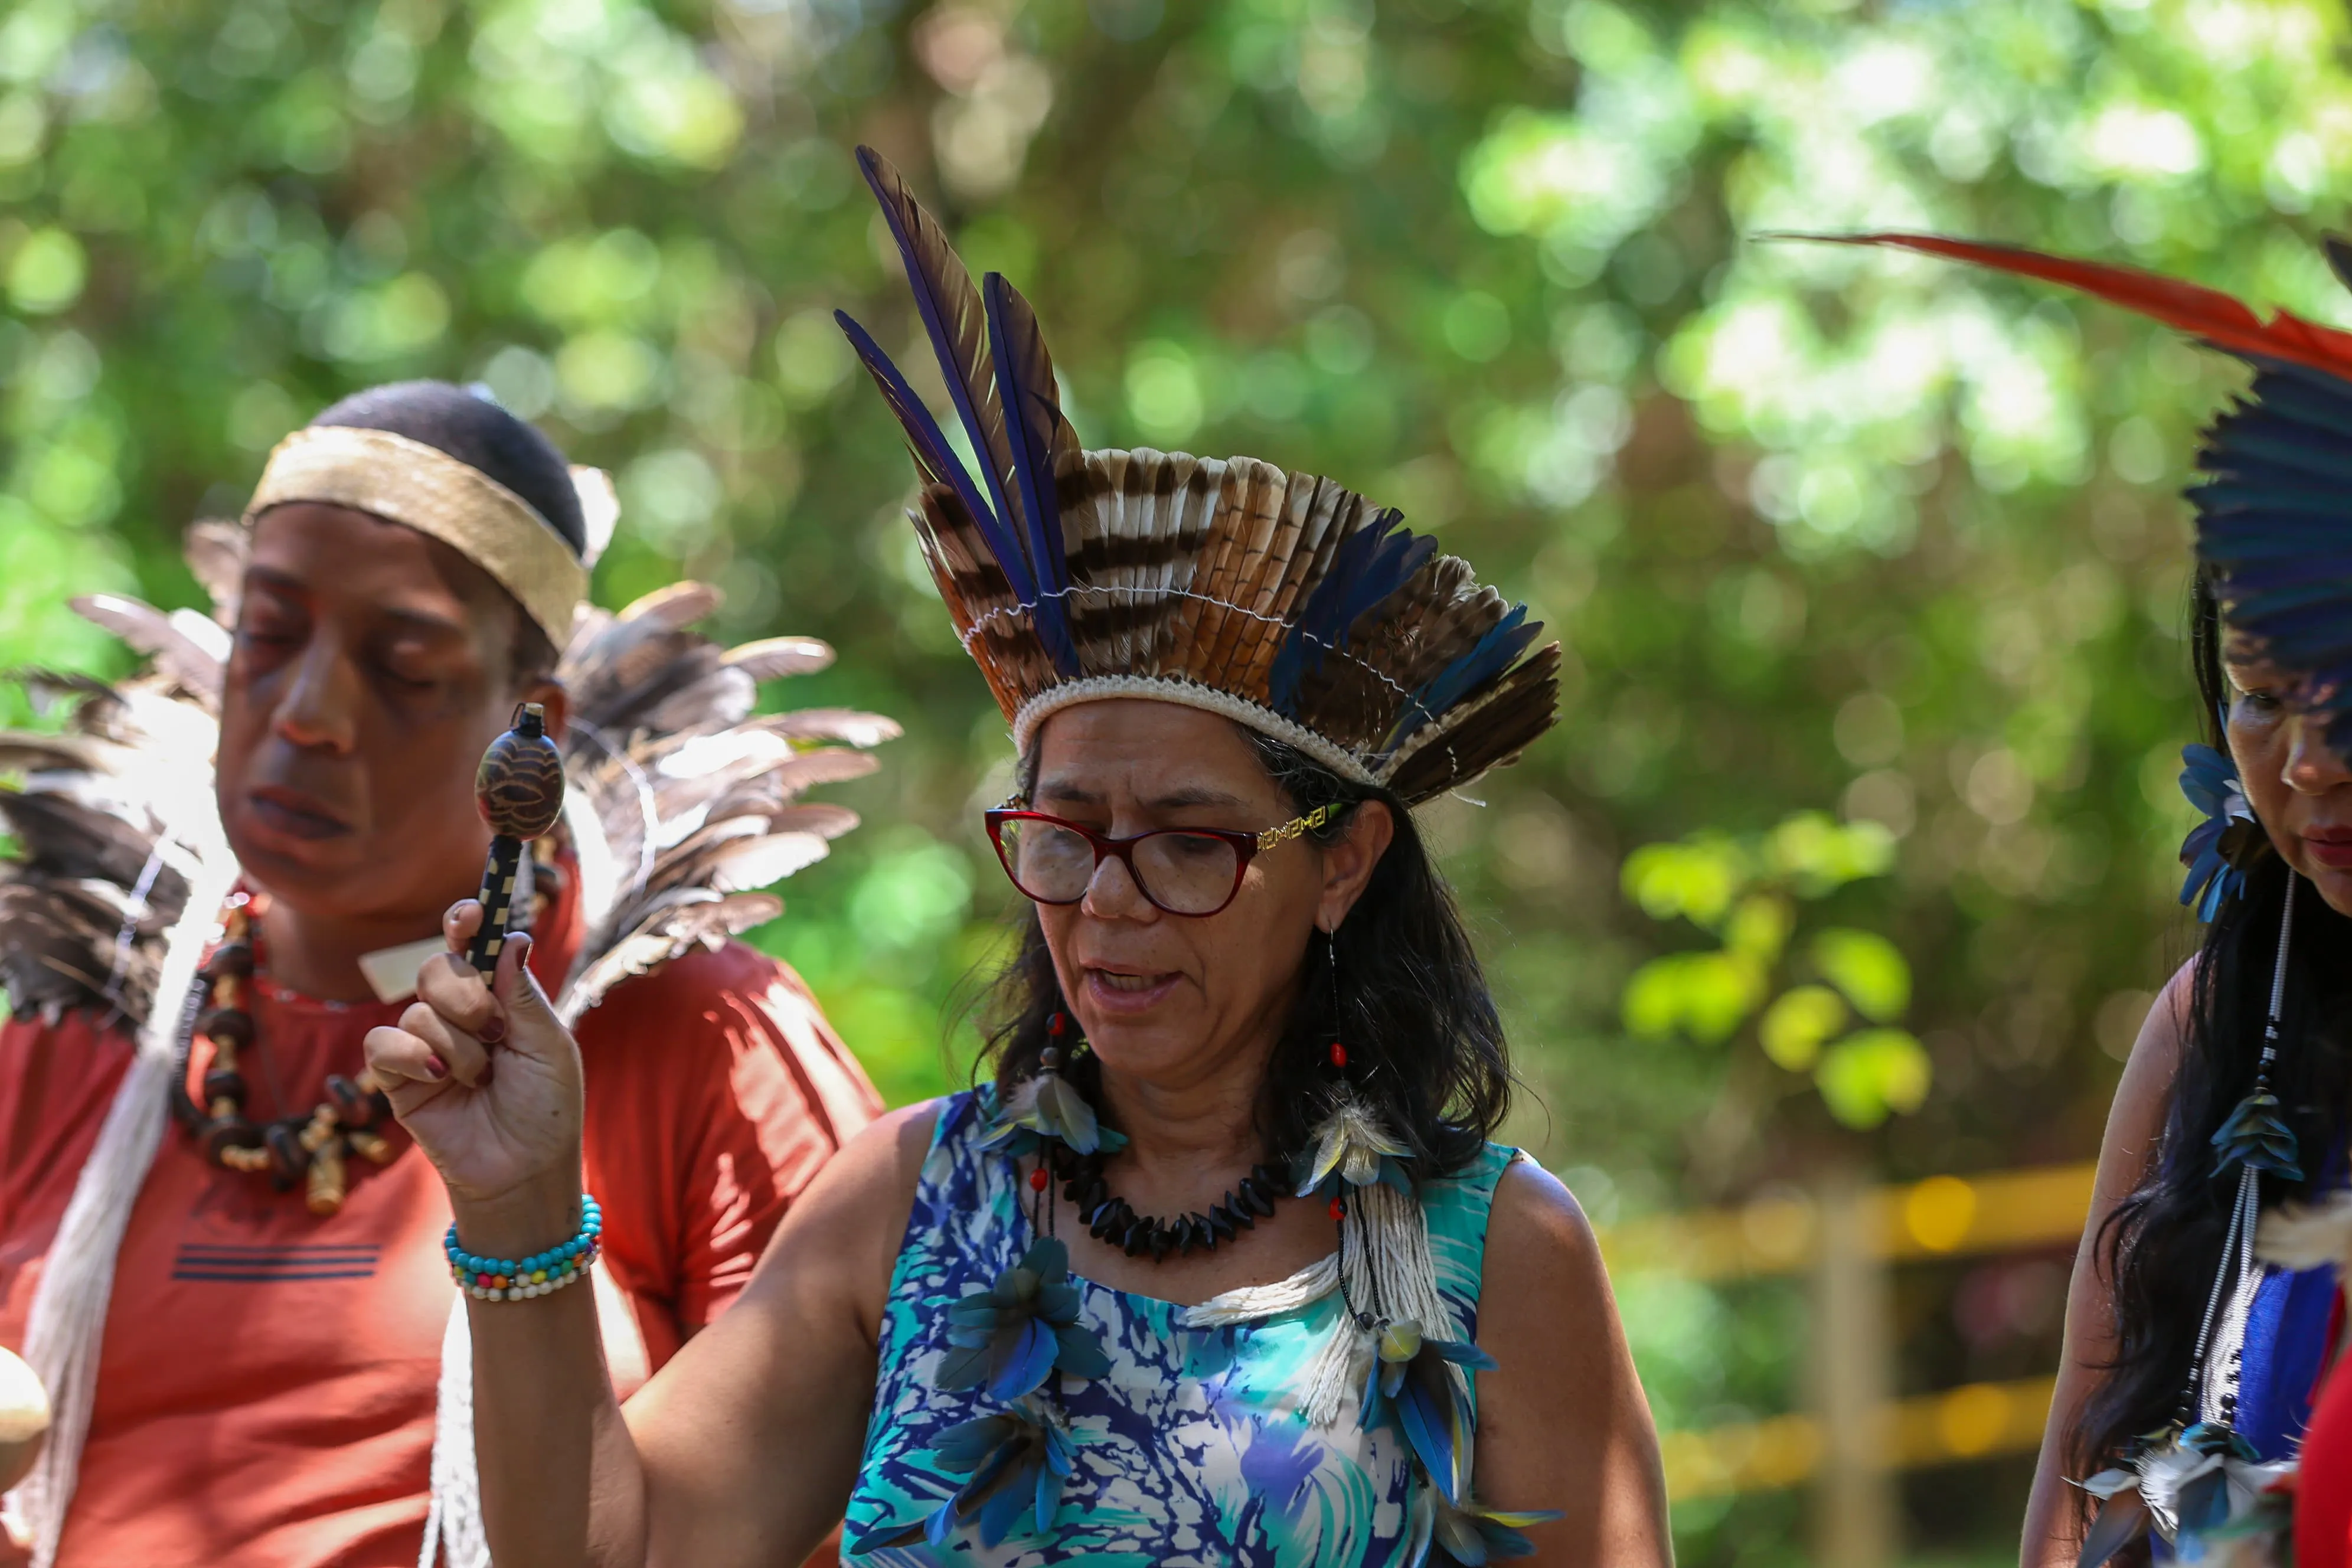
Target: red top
x=2323 y=1500
x=267 y=1384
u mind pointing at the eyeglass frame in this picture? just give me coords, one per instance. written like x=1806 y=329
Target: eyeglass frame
x=1246 y=848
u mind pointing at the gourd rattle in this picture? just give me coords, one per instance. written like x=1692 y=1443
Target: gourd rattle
x=519 y=791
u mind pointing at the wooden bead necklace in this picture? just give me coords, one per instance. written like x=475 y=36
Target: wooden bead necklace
x=1111 y=1219
x=313 y=1148
x=1108 y=1217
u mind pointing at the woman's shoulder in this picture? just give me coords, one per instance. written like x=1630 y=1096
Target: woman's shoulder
x=1539 y=1238
x=2135 y=1118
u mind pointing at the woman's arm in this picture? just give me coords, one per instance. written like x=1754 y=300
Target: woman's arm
x=1564 y=1424
x=749 y=1441
x=743 y=1450
x=2054 y=1516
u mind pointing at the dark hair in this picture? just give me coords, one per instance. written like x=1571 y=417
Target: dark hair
x=481 y=435
x=2161 y=1247
x=1424 y=1044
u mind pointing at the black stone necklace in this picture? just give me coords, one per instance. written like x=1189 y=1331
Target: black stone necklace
x=1108 y=1217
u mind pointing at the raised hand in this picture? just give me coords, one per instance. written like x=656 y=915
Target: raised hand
x=488 y=1081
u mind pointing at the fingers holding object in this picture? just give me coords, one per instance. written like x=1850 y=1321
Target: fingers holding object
x=459 y=1053
x=449 y=985
x=408 y=1067
x=461 y=921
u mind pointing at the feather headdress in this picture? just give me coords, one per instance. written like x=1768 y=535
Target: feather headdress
x=2273 y=511
x=1282 y=601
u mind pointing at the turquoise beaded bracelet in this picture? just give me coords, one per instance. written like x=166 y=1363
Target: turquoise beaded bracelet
x=522 y=1278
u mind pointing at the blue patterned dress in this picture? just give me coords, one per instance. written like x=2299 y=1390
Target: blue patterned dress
x=1192 y=1451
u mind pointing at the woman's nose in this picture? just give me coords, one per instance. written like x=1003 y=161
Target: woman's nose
x=2313 y=766
x=1112 y=895
x=317 y=710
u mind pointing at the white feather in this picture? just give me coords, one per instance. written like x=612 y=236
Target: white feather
x=2305 y=1236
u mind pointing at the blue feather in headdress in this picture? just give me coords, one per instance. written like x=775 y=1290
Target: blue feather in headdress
x=934 y=456
x=1000 y=378
x=1492 y=655
x=1371 y=564
x=2274 y=519
x=1035 y=430
x=952 y=314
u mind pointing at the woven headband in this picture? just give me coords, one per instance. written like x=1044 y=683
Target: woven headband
x=424 y=488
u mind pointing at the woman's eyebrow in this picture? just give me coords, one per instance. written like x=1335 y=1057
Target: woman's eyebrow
x=1194 y=794
x=1174 y=800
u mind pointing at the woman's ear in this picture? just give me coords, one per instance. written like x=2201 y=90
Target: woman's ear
x=1349 y=863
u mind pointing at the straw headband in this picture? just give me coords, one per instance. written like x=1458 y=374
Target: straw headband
x=424 y=488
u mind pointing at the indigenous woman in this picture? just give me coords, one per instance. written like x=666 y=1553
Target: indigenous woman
x=217 y=1250
x=1220 y=1265
x=2189 y=1362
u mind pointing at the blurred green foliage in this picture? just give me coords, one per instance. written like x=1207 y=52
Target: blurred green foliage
x=1744 y=893
x=1822 y=530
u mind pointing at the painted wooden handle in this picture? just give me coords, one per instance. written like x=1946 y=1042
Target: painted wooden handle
x=497 y=904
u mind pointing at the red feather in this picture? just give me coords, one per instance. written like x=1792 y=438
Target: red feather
x=2202 y=312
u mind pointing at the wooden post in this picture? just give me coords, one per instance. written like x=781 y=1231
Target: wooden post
x=1852 y=1380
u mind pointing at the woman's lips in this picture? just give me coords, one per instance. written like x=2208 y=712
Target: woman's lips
x=291 y=816
x=2331 y=846
x=1124 y=994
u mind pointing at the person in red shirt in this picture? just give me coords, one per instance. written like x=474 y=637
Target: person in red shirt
x=242 y=1313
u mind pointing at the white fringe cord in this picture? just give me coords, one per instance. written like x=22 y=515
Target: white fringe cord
x=1384 y=1253
x=1251 y=1302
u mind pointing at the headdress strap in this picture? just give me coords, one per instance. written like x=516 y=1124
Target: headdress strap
x=421 y=487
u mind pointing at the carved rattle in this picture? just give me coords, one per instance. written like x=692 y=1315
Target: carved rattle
x=520 y=789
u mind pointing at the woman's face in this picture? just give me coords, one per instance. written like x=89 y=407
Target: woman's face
x=1171 y=999
x=2297 y=784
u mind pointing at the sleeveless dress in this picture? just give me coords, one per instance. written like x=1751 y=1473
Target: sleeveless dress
x=1192 y=1451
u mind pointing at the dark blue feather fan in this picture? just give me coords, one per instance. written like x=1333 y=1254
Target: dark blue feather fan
x=1038 y=436
x=1370 y=564
x=2274 y=520
x=934 y=457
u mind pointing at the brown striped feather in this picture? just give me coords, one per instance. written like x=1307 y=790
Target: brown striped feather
x=967 y=323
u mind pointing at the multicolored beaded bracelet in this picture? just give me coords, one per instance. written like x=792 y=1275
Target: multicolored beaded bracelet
x=541 y=1274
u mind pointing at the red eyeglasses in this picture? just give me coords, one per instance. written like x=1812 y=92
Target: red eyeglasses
x=1191 y=871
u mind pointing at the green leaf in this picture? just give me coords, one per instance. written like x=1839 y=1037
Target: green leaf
x=1653 y=999
x=1798 y=1020
x=1704 y=996
x=1760 y=928
x=1868 y=968
x=1821 y=856
x=1868 y=1076
x=1697 y=879
x=1720 y=990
